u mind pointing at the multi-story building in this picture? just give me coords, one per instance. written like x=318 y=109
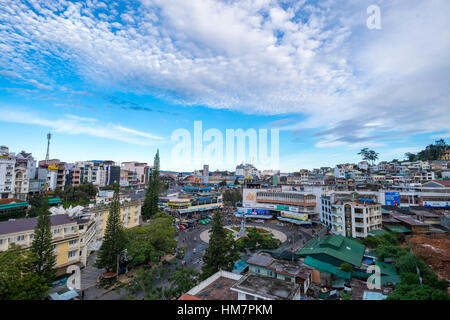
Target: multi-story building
x=350 y=217
x=287 y=205
x=112 y=175
x=71 y=237
x=22 y=183
x=246 y=170
x=29 y=162
x=445 y=155
x=136 y=167
x=76 y=176
x=194 y=200
x=124 y=178
x=7 y=165
x=130 y=212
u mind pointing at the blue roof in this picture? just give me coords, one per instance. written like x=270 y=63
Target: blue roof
x=68 y=295
x=370 y=295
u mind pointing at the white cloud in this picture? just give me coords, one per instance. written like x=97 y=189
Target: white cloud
x=260 y=56
x=72 y=124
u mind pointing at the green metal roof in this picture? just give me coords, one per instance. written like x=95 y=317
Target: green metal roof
x=337 y=246
x=327 y=267
x=386 y=268
x=377 y=232
x=13 y=205
x=360 y=274
x=398 y=229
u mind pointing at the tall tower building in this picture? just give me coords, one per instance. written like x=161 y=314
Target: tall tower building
x=49 y=136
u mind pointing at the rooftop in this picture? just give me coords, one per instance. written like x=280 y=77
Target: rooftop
x=28 y=224
x=216 y=287
x=337 y=246
x=270 y=288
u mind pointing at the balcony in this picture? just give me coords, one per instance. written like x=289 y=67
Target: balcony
x=359 y=215
x=360 y=235
x=359 y=224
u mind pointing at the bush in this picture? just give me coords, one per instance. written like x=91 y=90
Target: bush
x=347 y=267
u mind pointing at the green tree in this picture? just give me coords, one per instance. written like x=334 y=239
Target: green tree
x=17 y=282
x=183 y=279
x=113 y=244
x=221 y=252
x=149 y=243
x=150 y=206
x=42 y=258
x=35 y=203
x=236 y=182
x=368 y=155
x=410 y=156
x=347 y=267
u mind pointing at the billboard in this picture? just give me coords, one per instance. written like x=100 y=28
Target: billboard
x=392 y=198
x=294 y=215
x=436 y=204
x=52 y=167
x=254 y=212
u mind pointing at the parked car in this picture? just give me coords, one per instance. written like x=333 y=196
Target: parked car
x=182 y=227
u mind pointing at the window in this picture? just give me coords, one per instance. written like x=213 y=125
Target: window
x=20 y=238
x=72 y=242
x=73 y=253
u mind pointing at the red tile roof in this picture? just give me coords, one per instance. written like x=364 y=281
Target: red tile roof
x=188 y=297
x=10 y=200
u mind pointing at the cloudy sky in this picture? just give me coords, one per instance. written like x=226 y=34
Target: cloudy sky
x=113 y=80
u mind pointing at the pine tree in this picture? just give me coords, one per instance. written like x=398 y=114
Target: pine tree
x=150 y=206
x=114 y=241
x=42 y=258
x=221 y=253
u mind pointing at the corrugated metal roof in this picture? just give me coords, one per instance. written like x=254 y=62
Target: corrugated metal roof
x=13 y=205
x=349 y=250
x=327 y=267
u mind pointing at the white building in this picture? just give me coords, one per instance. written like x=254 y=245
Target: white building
x=364 y=165
x=7 y=165
x=137 y=167
x=22 y=182
x=246 y=170
x=350 y=217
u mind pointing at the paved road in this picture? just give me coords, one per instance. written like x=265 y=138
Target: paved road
x=190 y=239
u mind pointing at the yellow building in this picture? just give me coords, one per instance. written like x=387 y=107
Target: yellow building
x=446 y=155
x=130 y=212
x=70 y=237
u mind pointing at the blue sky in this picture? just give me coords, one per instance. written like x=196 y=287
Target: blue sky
x=113 y=80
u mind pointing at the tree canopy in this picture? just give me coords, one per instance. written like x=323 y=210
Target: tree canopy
x=149 y=243
x=368 y=155
x=150 y=206
x=113 y=244
x=17 y=281
x=42 y=257
x=431 y=152
x=222 y=252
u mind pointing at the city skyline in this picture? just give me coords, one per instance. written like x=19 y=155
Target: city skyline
x=114 y=80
